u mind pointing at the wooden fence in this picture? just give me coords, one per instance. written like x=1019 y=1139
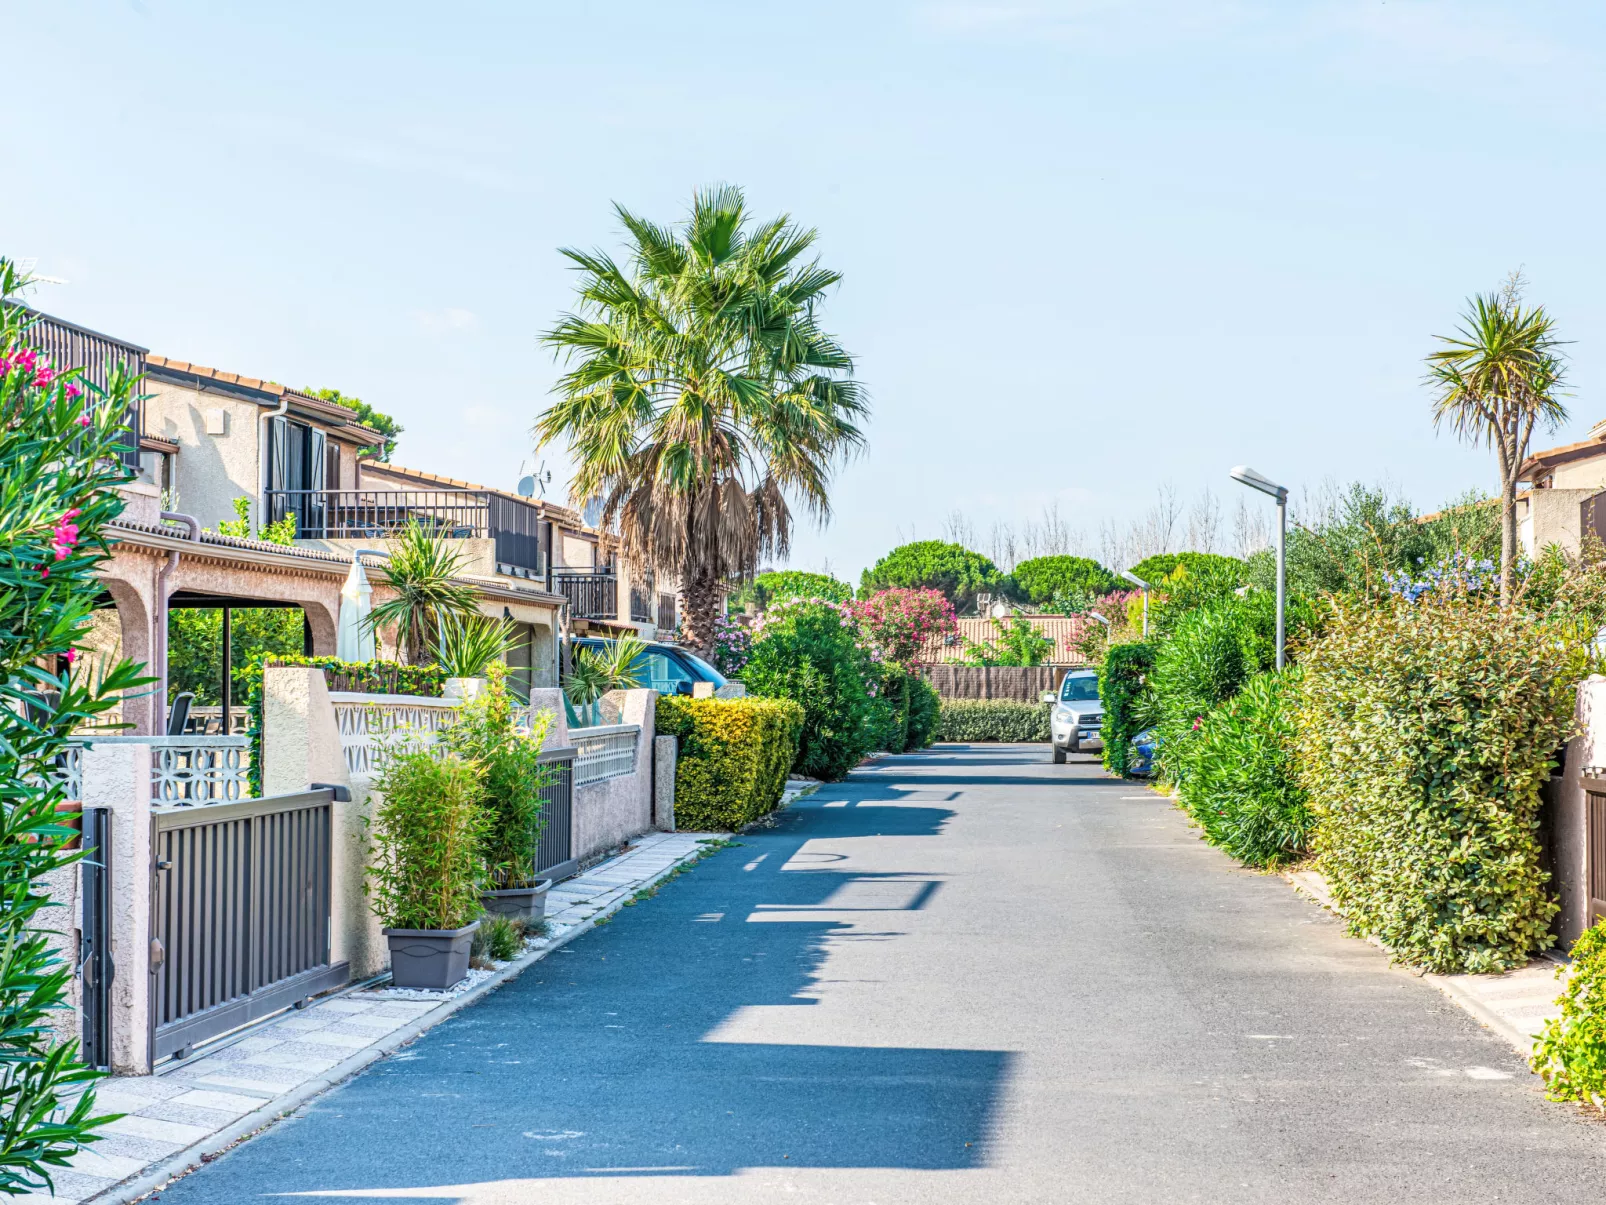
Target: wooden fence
x=1019 y=682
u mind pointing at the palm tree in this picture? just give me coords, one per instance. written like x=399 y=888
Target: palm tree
x=1499 y=376
x=702 y=393
x=422 y=575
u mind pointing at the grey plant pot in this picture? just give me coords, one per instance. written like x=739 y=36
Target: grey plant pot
x=432 y=958
x=519 y=903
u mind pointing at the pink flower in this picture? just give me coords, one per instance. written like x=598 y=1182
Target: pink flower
x=5 y=366
x=43 y=377
x=44 y=570
x=71 y=655
x=73 y=513
x=73 y=391
x=83 y=420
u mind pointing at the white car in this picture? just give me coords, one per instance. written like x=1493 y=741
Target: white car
x=1077 y=715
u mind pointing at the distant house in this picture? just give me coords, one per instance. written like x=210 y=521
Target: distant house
x=1566 y=497
x=1065 y=630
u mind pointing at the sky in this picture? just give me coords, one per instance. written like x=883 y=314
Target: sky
x=1091 y=248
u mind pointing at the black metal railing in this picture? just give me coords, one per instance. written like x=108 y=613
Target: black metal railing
x=554 y=859
x=240 y=911
x=590 y=595
x=66 y=346
x=667 y=621
x=514 y=526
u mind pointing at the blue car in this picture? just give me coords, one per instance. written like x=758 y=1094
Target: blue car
x=1140 y=753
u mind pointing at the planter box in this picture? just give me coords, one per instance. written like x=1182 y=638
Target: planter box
x=433 y=958
x=519 y=903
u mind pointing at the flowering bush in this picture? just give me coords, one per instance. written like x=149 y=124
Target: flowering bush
x=733 y=645
x=897 y=623
x=59 y=467
x=1459 y=574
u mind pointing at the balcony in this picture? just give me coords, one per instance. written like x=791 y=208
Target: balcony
x=68 y=346
x=592 y=593
x=514 y=526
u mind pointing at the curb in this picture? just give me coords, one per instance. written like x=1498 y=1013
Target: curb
x=1482 y=1014
x=204 y=1150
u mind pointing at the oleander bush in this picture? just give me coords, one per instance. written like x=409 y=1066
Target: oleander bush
x=733 y=757
x=1424 y=732
x=993 y=720
x=925 y=712
x=1240 y=784
x=810 y=653
x=1570 y=1053
x=1128 y=703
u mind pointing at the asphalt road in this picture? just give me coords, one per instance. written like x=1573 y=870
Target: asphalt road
x=966 y=975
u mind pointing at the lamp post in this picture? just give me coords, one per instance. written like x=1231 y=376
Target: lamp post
x=1245 y=475
x=1144 y=586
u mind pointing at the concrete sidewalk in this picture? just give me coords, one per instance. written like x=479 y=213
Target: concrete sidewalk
x=188 y=1111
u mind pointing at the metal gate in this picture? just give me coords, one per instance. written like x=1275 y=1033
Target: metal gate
x=95 y=966
x=554 y=859
x=240 y=914
x=1595 y=844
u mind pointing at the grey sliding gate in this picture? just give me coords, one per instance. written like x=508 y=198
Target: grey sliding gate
x=240 y=909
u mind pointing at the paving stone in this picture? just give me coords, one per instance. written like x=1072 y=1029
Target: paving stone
x=152 y=1127
x=345 y=1041
x=75 y=1186
x=94 y=1162
x=269 y=1087
x=208 y=1119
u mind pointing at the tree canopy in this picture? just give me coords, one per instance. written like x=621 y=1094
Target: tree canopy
x=367 y=415
x=954 y=570
x=778 y=584
x=1044 y=578
x=1161 y=565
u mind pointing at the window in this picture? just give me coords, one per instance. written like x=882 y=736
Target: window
x=296 y=466
x=1080 y=688
x=664 y=673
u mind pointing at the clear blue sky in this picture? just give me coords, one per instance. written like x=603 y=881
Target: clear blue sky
x=1089 y=246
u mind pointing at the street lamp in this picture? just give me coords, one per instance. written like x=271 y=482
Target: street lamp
x=1100 y=618
x=1247 y=476
x=1144 y=586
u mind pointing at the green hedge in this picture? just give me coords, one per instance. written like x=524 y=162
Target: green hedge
x=992 y=720
x=1570 y=1055
x=1125 y=699
x=1239 y=783
x=1424 y=734
x=925 y=712
x=367 y=677
x=733 y=758
x=811 y=655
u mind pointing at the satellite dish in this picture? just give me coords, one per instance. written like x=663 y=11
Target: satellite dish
x=526 y=486
x=592 y=515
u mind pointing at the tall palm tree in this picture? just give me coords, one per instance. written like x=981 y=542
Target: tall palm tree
x=1495 y=379
x=702 y=394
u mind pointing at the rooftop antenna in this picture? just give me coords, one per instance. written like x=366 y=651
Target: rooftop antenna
x=25 y=267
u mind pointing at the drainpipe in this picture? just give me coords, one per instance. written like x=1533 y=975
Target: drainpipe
x=159 y=645
x=263 y=446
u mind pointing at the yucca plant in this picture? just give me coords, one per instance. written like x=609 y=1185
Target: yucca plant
x=422 y=575
x=593 y=673
x=469 y=644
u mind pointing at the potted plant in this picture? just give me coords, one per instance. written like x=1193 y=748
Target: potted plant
x=429 y=833
x=467 y=646
x=513 y=777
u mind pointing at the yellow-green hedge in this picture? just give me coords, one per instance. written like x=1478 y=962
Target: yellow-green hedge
x=733 y=758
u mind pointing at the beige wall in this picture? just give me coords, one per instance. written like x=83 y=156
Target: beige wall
x=1581 y=474
x=610 y=812
x=573 y=551
x=1551 y=516
x=213 y=470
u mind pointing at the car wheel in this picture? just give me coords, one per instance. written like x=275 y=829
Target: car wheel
x=1059 y=756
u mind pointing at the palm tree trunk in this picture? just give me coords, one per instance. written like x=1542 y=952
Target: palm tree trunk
x=701 y=594
x=1508 y=539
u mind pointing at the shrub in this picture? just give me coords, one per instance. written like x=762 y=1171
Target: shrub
x=1570 y=1052
x=925 y=710
x=1203 y=664
x=1240 y=784
x=992 y=720
x=1161 y=565
x=366 y=677
x=1126 y=699
x=733 y=758
x=952 y=569
x=1017 y=643
x=1044 y=578
x=898 y=623
x=809 y=653
x=498 y=939
x=1425 y=732
x=430 y=834
x=58 y=469
x=512 y=777
x=733 y=645
x=781 y=584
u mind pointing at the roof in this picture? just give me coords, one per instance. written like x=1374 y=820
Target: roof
x=558 y=514
x=338 y=414
x=173 y=531
x=1584 y=449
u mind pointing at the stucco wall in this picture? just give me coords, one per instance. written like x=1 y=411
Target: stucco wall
x=1581 y=474
x=1568 y=833
x=1552 y=517
x=611 y=812
x=213 y=470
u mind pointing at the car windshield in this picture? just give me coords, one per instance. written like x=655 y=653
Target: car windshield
x=1081 y=688
x=709 y=673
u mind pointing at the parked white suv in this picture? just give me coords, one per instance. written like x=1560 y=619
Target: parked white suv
x=1074 y=723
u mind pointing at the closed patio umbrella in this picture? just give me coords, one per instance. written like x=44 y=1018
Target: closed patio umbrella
x=355 y=641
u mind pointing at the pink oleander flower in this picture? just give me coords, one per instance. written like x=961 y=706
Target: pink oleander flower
x=73 y=391
x=83 y=420
x=5 y=366
x=43 y=377
x=44 y=570
x=71 y=655
x=73 y=513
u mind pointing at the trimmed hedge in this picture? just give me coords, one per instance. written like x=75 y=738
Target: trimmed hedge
x=993 y=720
x=1425 y=732
x=1125 y=700
x=367 y=677
x=733 y=759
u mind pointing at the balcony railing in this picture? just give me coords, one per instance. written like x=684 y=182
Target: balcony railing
x=642 y=597
x=375 y=514
x=591 y=595
x=68 y=346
